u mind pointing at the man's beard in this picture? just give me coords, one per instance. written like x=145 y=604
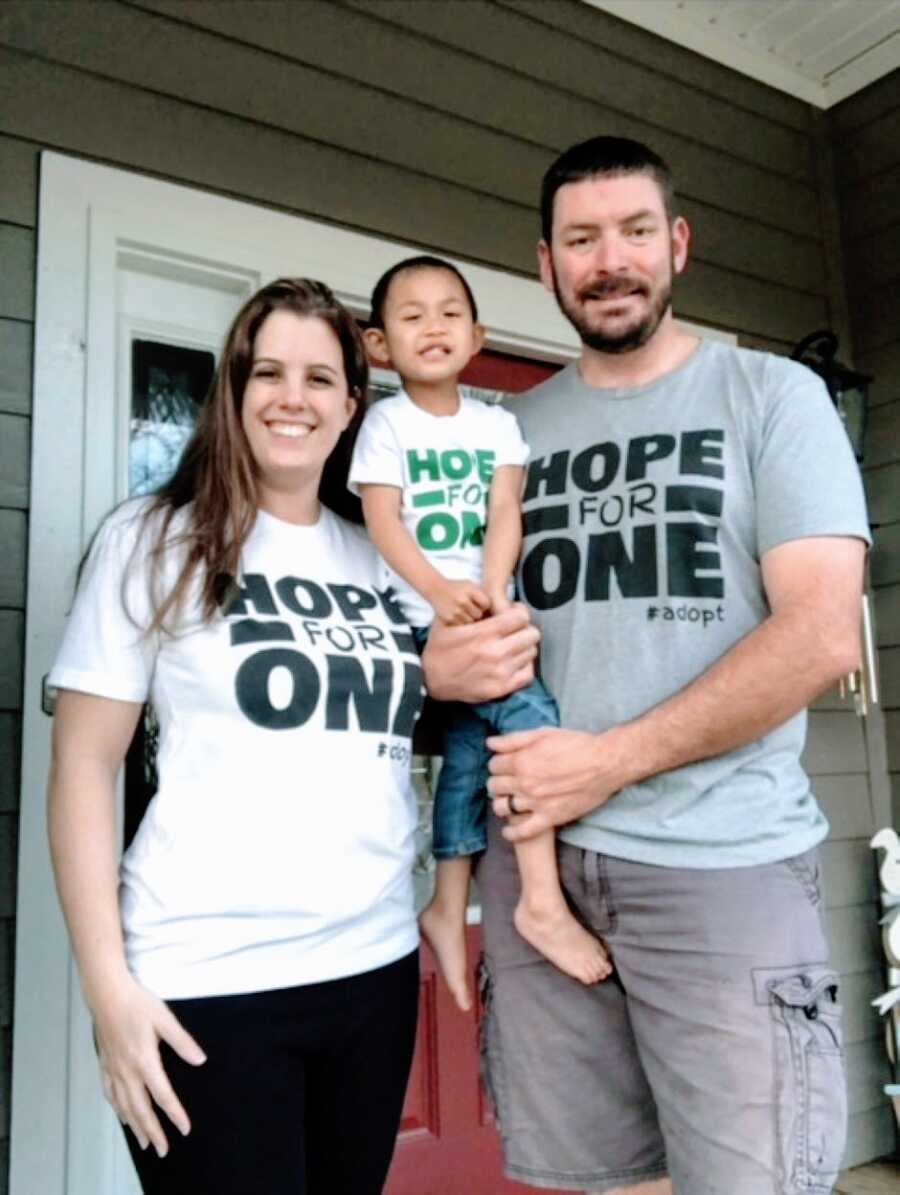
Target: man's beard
x=631 y=337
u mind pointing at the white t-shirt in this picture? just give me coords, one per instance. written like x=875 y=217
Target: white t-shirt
x=278 y=849
x=443 y=465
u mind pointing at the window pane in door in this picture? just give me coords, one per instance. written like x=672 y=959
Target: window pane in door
x=168 y=385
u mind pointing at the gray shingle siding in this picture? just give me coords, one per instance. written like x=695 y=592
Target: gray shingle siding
x=431 y=124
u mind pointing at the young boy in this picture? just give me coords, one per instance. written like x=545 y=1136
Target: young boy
x=429 y=465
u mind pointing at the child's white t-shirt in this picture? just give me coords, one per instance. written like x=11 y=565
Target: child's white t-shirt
x=279 y=847
x=443 y=465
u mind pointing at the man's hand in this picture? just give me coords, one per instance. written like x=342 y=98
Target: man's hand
x=482 y=661
x=810 y=639
x=554 y=777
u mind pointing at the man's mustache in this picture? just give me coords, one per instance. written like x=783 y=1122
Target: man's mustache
x=612 y=288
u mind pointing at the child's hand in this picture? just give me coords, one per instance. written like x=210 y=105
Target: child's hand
x=459 y=602
x=499 y=600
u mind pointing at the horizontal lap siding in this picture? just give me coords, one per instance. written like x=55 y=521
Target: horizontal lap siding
x=865 y=132
x=429 y=123
x=471 y=169
x=836 y=759
x=18 y=171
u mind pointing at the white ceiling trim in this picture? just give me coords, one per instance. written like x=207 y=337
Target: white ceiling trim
x=856 y=75
x=666 y=18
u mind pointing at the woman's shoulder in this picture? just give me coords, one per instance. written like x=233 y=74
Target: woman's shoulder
x=143 y=517
x=121 y=529
x=127 y=517
x=352 y=544
x=352 y=537
x=135 y=532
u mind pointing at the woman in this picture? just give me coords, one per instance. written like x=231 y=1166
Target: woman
x=256 y=979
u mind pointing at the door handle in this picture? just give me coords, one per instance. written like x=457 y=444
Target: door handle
x=49 y=694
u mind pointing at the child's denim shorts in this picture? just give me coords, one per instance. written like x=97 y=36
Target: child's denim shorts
x=460 y=802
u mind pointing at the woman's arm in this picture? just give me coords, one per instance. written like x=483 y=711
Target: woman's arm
x=503 y=540
x=455 y=602
x=90 y=738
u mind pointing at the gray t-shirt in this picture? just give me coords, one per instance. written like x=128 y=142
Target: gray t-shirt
x=647 y=512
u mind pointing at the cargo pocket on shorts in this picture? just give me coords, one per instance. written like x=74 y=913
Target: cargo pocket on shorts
x=811 y=1092
x=488 y=1044
x=805 y=869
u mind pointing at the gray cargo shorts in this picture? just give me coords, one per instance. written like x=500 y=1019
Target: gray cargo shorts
x=713 y=1053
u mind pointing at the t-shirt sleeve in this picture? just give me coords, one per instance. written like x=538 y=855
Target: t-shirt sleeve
x=377 y=456
x=105 y=649
x=511 y=448
x=807 y=480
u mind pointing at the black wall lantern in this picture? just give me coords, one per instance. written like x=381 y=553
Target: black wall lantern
x=849 y=392
x=847 y=387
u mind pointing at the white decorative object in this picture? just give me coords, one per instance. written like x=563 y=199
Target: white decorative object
x=888 y=1004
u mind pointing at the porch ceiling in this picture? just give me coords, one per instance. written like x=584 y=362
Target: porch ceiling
x=821 y=51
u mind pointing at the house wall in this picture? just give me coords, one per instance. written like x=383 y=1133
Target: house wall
x=865 y=134
x=429 y=123
x=866 y=137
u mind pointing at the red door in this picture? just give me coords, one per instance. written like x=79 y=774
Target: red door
x=448 y=1142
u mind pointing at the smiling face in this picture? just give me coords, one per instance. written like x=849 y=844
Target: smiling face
x=612 y=258
x=429 y=334
x=295 y=406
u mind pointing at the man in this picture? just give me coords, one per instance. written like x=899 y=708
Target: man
x=694 y=543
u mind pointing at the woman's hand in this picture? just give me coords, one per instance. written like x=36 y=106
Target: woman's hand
x=90 y=737
x=130 y=1022
x=482 y=661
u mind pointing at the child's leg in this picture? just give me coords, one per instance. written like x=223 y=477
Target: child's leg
x=460 y=809
x=542 y=916
x=443 y=925
x=544 y=919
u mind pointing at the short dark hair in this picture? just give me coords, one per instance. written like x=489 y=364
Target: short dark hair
x=424 y=261
x=603 y=156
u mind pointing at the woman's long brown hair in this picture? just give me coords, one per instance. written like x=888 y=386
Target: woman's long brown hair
x=216 y=476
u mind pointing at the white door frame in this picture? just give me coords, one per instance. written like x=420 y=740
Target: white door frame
x=89 y=217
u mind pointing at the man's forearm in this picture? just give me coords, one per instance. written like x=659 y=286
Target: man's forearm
x=766 y=678
x=810 y=639
x=558 y=776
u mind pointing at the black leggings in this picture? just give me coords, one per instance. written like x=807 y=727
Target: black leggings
x=301 y=1092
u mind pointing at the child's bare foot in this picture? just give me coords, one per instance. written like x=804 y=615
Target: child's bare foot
x=447 y=938
x=558 y=936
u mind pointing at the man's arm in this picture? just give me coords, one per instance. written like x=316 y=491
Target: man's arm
x=810 y=639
